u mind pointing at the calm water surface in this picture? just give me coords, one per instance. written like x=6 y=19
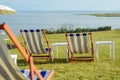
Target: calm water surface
x=57 y=19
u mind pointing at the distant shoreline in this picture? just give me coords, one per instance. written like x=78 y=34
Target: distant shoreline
x=103 y=14
x=91 y=13
x=106 y=14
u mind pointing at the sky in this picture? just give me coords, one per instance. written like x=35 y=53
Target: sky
x=64 y=5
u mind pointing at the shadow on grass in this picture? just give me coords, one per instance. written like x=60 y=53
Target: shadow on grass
x=22 y=62
x=59 y=60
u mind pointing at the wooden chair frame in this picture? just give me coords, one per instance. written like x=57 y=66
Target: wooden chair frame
x=48 y=56
x=80 y=58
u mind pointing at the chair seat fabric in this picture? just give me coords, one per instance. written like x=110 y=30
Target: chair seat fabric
x=44 y=74
x=79 y=42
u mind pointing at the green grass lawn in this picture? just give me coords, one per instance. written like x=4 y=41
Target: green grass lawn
x=104 y=69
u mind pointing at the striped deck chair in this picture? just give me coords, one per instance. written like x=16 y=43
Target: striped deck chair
x=9 y=70
x=34 y=44
x=78 y=44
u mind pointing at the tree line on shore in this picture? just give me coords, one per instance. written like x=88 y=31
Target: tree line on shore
x=77 y=30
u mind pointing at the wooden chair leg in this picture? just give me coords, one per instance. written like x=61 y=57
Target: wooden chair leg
x=31 y=68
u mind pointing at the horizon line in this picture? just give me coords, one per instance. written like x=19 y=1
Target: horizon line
x=76 y=10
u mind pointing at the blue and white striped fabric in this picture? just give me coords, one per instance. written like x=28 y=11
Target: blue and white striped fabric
x=43 y=73
x=79 y=42
x=34 y=41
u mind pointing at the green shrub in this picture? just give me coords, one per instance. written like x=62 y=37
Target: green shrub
x=69 y=29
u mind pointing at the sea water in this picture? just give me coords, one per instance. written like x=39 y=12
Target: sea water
x=57 y=19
